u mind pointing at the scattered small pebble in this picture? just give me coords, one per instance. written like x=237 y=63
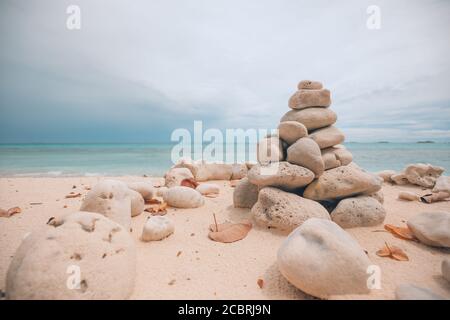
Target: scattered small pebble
x=179 y=253
x=172 y=282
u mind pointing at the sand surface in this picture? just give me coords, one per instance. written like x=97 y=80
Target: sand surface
x=209 y=270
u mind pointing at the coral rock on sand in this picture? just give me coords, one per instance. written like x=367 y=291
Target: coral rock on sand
x=424 y=175
x=280 y=174
x=336 y=156
x=362 y=211
x=386 y=175
x=204 y=171
x=431 y=228
x=284 y=210
x=183 y=197
x=310 y=98
x=146 y=189
x=327 y=137
x=379 y=196
x=291 y=131
x=442 y=184
x=270 y=149
x=309 y=85
x=408 y=196
x=175 y=175
x=306 y=153
x=445 y=267
x=412 y=292
x=342 y=182
x=157 y=228
x=312 y=118
x=137 y=203
x=245 y=194
x=399 y=178
x=161 y=191
x=112 y=199
x=238 y=171
x=45 y=264
x=322 y=259
x=208 y=188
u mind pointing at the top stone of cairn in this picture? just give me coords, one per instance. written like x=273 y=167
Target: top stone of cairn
x=309 y=85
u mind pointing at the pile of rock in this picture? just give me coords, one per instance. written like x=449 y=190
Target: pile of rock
x=305 y=172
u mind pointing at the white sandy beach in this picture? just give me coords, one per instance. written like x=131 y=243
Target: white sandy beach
x=210 y=270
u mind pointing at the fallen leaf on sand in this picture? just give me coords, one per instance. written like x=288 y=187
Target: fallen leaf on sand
x=158 y=210
x=233 y=183
x=260 y=283
x=11 y=211
x=392 y=252
x=191 y=183
x=73 y=195
x=152 y=201
x=400 y=232
x=179 y=253
x=229 y=232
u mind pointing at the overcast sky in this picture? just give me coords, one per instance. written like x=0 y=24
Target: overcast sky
x=139 y=69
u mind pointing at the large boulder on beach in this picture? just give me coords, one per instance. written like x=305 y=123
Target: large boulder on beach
x=214 y=171
x=431 y=228
x=270 y=149
x=291 y=131
x=362 y=211
x=183 y=197
x=342 y=182
x=306 y=153
x=280 y=174
x=110 y=198
x=310 y=98
x=312 y=118
x=424 y=175
x=146 y=189
x=327 y=137
x=175 y=175
x=399 y=178
x=245 y=194
x=321 y=259
x=309 y=85
x=336 y=156
x=412 y=292
x=157 y=228
x=77 y=256
x=284 y=210
x=137 y=202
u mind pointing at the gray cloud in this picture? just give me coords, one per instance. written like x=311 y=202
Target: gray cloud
x=136 y=71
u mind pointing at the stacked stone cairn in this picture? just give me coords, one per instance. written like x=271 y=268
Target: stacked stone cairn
x=306 y=183
x=306 y=172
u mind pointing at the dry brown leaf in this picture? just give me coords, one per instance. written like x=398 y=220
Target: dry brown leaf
x=400 y=232
x=73 y=195
x=229 y=232
x=392 y=252
x=260 y=283
x=191 y=183
x=10 y=212
x=158 y=210
x=152 y=201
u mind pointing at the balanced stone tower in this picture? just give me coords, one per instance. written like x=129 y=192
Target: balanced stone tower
x=306 y=172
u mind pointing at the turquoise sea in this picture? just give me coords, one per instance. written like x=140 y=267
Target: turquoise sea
x=55 y=160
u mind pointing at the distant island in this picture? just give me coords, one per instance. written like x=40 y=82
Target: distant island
x=426 y=141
